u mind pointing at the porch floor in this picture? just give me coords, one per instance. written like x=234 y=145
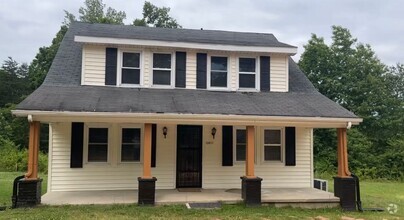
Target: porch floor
x=300 y=197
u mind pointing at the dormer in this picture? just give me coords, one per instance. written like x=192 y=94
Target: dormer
x=142 y=57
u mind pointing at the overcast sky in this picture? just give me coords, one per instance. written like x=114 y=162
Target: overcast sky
x=27 y=25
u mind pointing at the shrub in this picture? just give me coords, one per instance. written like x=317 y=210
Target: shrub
x=12 y=159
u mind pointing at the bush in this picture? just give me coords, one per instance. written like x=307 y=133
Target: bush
x=12 y=159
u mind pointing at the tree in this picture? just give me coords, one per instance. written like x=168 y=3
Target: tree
x=156 y=17
x=350 y=73
x=13 y=83
x=93 y=12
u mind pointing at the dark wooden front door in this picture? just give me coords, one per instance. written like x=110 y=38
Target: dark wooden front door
x=189 y=156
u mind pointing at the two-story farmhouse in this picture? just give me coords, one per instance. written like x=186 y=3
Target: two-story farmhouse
x=149 y=109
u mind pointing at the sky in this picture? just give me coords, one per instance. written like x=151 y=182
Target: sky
x=27 y=25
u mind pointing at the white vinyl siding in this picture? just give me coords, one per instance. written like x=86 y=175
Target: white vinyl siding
x=93 y=69
x=279 y=73
x=111 y=176
x=275 y=175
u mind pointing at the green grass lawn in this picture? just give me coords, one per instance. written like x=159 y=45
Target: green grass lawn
x=379 y=194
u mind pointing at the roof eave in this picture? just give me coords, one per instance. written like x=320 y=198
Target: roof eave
x=186 y=45
x=174 y=118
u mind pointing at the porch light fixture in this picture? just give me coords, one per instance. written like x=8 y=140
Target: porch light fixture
x=165 y=132
x=213 y=132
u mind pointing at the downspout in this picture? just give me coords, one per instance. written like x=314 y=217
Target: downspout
x=349 y=125
x=31 y=143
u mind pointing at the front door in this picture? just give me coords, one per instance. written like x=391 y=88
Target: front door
x=189 y=156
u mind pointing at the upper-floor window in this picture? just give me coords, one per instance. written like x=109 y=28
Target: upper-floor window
x=130 y=68
x=218 y=72
x=162 y=69
x=247 y=78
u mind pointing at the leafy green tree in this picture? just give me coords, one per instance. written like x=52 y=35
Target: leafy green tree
x=156 y=17
x=13 y=83
x=350 y=73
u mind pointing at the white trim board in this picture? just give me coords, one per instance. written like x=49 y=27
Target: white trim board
x=202 y=46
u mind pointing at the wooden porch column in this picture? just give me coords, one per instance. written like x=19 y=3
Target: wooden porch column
x=33 y=150
x=343 y=170
x=147 y=151
x=250 y=152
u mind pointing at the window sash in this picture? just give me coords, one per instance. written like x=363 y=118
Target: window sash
x=97 y=151
x=132 y=147
x=240 y=144
x=163 y=71
x=123 y=67
x=255 y=73
x=219 y=71
x=279 y=145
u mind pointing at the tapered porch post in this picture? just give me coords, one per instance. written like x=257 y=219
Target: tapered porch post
x=250 y=152
x=251 y=184
x=147 y=183
x=27 y=188
x=343 y=170
x=147 y=151
x=33 y=150
x=344 y=184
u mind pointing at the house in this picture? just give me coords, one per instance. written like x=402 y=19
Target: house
x=146 y=109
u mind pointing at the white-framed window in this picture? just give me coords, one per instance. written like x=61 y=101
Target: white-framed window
x=240 y=144
x=130 y=71
x=130 y=144
x=97 y=143
x=218 y=76
x=162 y=66
x=273 y=144
x=248 y=77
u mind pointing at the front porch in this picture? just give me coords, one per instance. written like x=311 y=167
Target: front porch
x=296 y=197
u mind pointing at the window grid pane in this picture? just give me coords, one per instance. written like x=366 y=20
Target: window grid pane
x=130 y=60
x=130 y=76
x=161 y=77
x=240 y=152
x=247 y=81
x=272 y=137
x=97 y=152
x=272 y=153
x=247 y=65
x=218 y=79
x=162 y=61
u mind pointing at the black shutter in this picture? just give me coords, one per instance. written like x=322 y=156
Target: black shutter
x=201 y=72
x=180 y=69
x=111 y=66
x=265 y=73
x=76 y=153
x=227 y=146
x=153 y=145
x=290 y=143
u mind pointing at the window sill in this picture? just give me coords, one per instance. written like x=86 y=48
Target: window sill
x=130 y=162
x=131 y=86
x=219 y=89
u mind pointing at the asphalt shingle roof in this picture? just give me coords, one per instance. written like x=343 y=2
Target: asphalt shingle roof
x=61 y=90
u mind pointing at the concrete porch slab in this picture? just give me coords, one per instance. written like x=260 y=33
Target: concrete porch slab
x=280 y=197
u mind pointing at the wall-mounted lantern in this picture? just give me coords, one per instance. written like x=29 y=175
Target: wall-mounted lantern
x=213 y=132
x=165 y=132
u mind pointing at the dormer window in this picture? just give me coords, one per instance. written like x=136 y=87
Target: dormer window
x=218 y=72
x=247 y=78
x=162 y=69
x=130 y=68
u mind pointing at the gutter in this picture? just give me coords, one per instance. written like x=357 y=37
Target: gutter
x=53 y=116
